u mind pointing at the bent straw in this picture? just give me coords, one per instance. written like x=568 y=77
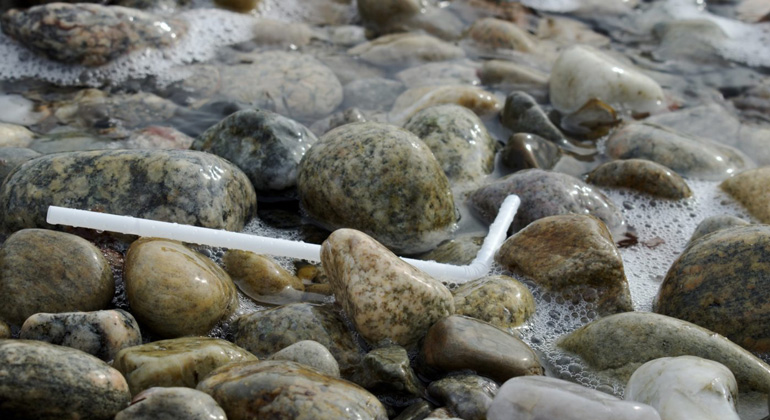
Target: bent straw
x=280 y=247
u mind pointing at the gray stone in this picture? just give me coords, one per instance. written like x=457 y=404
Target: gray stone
x=377 y=94
x=171 y=404
x=522 y=114
x=11 y=157
x=530 y=151
x=750 y=189
x=469 y=396
x=310 y=353
x=499 y=300
x=12 y=135
x=387 y=369
x=440 y=73
x=715 y=223
x=641 y=175
x=406 y=49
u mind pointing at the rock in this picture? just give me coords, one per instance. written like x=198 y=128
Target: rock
x=268 y=331
x=508 y=73
x=282 y=34
x=679 y=42
x=266 y=146
x=720 y=282
x=381 y=13
x=458 y=139
x=69 y=139
x=310 y=353
x=541 y=398
x=543 y=194
x=750 y=189
x=480 y=101
x=258 y=275
x=440 y=73
x=158 y=137
x=592 y=121
x=715 y=223
x=340 y=118
x=89 y=34
x=12 y=135
x=685 y=387
x=565 y=32
x=496 y=34
x=387 y=369
x=529 y=151
x=282 y=389
x=406 y=49
x=441 y=413
x=102 y=334
x=243 y=6
x=620 y=343
x=459 y=251
x=11 y=157
x=385 y=297
x=458 y=342
x=347 y=35
x=689 y=156
x=582 y=73
x=172 y=403
x=469 y=396
x=498 y=300
x=641 y=175
x=176 y=362
x=169 y=185
x=175 y=291
x=522 y=114
x=5 y=330
x=417 y=411
x=380 y=179
x=47 y=271
x=44 y=381
x=376 y=94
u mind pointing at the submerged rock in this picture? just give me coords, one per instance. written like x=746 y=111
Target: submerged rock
x=530 y=151
x=499 y=300
x=11 y=157
x=259 y=275
x=522 y=114
x=507 y=73
x=468 y=396
x=406 y=49
x=478 y=100
x=172 y=403
x=493 y=34
x=440 y=73
x=642 y=175
x=375 y=93
x=750 y=189
x=387 y=369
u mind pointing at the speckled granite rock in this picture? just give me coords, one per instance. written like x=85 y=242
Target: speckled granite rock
x=5 y=330
x=459 y=251
x=259 y=275
x=310 y=353
x=496 y=34
x=499 y=300
x=528 y=151
x=458 y=139
x=175 y=291
x=458 y=342
x=282 y=389
x=469 y=396
x=685 y=387
x=374 y=93
x=45 y=381
x=715 y=223
x=642 y=175
x=440 y=73
x=522 y=114
x=720 y=282
x=482 y=102
x=620 y=343
x=169 y=185
x=266 y=332
x=102 y=334
x=750 y=189
x=380 y=179
x=12 y=135
x=545 y=193
x=541 y=398
x=172 y=403
x=406 y=49
x=89 y=34
x=48 y=271
x=387 y=370
x=11 y=157
x=385 y=297
x=176 y=362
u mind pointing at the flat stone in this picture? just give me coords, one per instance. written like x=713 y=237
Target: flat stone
x=172 y=403
x=177 y=362
x=715 y=223
x=11 y=157
x=530 y=151
x=259 y=275
x=310 y=353
x=48 y=271
x=498 y=300
x=750 y=189
x=387 y=369
x=522 y=114
x=482 y=102
x=641 y=175
x=406 y=49
x=469 y=396
x=495 y=34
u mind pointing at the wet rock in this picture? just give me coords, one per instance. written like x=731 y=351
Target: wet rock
x=381 y=13
x=169 y=185
x=387 y=369
x=102 y=334
x=70 y=139
x=347 y=35
x=172 y=403
x=175 y=291
x=340 y=118
x=678 y=41
x=11 y=157
x=89 y=34
x=259 y=276
x=529 y=151
x=541 y=398
x=618 y=344
x=494 y=34
x=441 y=413
x=750 y=189
x=499 y=300
x=458 y=342
x=45 y=381
x=385 y=297
x=406 y=49
x=440 y=73
x=310 y=353
x=242 y=6
x=176 y=362
x=377 y=94
x=715 y=223
x=12 y=135
x=582 y=73
x=592 y=121
x=459 y=251
x=567 y=32
x=380 y=179
x=274 y=389
x=545 y=193
x=5 y=330
x=417 y=411
x=282 y=34
x=458 y=140
x=158 y=137
x=47 y=271
x=507 y=73
x=469 y=396
x=266 y=146
x=480 y=101
x=641 y=175
x=522 y=114
x=685 y=387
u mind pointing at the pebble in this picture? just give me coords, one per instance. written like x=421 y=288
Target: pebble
x=12 y=135
x=385 y=297
x=102 y=334
x=176 y=362
x=715 y=223
x=5 y=330
x=47 y=271
x=375 y=93
x=530 y=151
x=498 y=300
x=11 y=157
x=461 y=250
x=258 y=275
x=340 y=118
x=381 y=13
x=172 y=403
x=522 y=114
x=592 y=121
x=497 y=34
x=406 y=49
x=387 y=369
x=417 y=411
x=468 y=396
x=641 y=175
x=268 y=32
x=515 y=75
x=440 y=73
x=175 y=291
x=243 y=6
x=750 y=189
x=310 y=353
x=380 y=179
x=158 y=137
x=690 y=40
x=44 y=381
x=482 y=102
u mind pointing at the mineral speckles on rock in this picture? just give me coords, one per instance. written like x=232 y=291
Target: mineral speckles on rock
x=89 y=34
x=499 y=300
x=172 y=403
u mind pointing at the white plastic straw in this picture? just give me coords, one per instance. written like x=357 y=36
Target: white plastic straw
x=279 y=247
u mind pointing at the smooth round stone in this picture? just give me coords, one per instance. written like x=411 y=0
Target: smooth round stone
x=282 y=34
x=459 y=251
x=310 y=353
x=172 y=403
x=499 y=300
x=522 y=114
x=721 y=282
x=379 y=179
x=582 y=73
x=618 y=344
x=750 y=189
x=385 y=297
x=469 y=396
x=529 y=151
x=259 y=275
x=175 y=291
x=11 y=157
x=388 y=369
x=541 y=398
x=48 y=271
x=377 y=94
x=482 y=102
x=715 y=223
x=458 y=342
x=508 y=73
x=685 y=387
x=406 y=49
x=5 y=330
x=177 y=362
x=440 y=73
x=12 y=135
x=497 y=34
x=641 y=175
x=283 y=389
x=44 y=381
x=158 y=137
x=242 y=6
x=102 y=334
x=177 y=186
